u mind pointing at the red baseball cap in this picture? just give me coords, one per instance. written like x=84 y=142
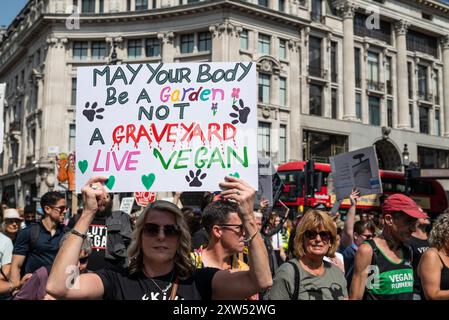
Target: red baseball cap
x=401 y=203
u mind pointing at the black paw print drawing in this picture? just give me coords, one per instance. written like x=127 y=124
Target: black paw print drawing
x=194 y=179
x=92 y=113
x=242 y=113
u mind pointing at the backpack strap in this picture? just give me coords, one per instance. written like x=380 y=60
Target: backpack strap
x=34 y=235
x=295 y=295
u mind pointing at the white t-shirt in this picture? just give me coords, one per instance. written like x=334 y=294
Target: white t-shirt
x=276 y=241
x=5 y=250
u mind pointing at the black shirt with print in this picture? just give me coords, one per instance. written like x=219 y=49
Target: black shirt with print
x=120 y=285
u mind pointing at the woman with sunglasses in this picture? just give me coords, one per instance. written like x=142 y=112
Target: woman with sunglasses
x=11 y=223
x=160 y=265
x=308 y=276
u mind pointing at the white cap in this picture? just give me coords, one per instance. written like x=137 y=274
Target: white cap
x=11 y=213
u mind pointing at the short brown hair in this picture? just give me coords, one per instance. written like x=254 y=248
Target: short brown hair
x=315 y=219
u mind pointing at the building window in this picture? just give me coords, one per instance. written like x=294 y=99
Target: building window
x=282 y=91
x=315 y=56
x=244 y=41
x=436 y=86
x=264 y=88
x=358 y=77
x=374 y=111
x=72 y=141
x=417 y=41
x=128 y=5
x=334 y=98
x=141 y=5
x=263 y=3
x=383 y=33
x=73 y=98
x=80 y=50
x=187 y=43
x=315 y=100
x=410 y=80
x=134 y=48
x=373 y=71
x=358 y=105
x=98 y=50
x=204 y=41
x=281 y=4
x=264 y=43
x=430 y=158
x=319 y=146
x=88 y=6
x=152 y=47
x=334 y=61
x=282 y=49
x=437 y=122
x=422 y=82
x=390 y=113
x=388 y=75
x=423 y=119
x=283 y=143
x=316 y=13
x=411 y=115
x=263 y=139
x=101 y=6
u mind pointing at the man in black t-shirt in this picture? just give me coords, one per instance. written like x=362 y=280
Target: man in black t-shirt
x=110 y=235
x=419 y=244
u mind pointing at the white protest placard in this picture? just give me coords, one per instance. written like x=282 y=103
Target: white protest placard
x=2 y=104
x=127 y=204
x=166 y=127
x=356 y=169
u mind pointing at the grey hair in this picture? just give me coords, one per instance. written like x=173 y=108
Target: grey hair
x=86 y=246
x=439 y=236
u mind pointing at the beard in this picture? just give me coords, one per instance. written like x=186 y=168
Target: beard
x=105 y=208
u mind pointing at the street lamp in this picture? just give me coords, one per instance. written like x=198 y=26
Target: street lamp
x=406 y=163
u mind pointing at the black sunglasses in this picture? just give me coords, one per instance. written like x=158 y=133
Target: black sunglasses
x=170 y=230
x=13 y=220
x=83 y=260
x=238 y=226
x=61 y=209
x=324 y=235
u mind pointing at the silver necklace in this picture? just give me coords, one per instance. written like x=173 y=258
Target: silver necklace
x=164 y=291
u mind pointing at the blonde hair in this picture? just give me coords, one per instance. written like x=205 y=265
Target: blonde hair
x=439 y=235
x=315 y=219
x=183 y=263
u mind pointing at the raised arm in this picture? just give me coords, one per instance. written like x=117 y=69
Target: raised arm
x=429 y=270
x=242 y=284
x=361 y=264
x=347 y=237
x=65 y=268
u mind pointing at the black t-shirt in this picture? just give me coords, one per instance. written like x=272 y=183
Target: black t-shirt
x=120 y=285
x=418 y=246
x=98 y=233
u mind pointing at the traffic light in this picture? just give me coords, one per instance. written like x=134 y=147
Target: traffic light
x=310 y=178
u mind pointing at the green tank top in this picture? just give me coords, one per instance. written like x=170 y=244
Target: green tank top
x=387 y=280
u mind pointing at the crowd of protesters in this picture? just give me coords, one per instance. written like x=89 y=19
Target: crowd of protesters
x=229 y=247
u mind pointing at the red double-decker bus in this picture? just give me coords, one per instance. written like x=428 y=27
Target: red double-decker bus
x=428 y=193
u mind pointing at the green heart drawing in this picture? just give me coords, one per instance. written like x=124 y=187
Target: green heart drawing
x=110 y=182
x=148 y=180
x=235 y=175
x=83 y=165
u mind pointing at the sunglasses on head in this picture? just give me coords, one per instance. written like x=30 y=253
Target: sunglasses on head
x=324 y=235
x=170 y=230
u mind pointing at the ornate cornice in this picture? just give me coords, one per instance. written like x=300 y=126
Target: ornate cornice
x=401 y=27
x=345 y=8
x=445 y=41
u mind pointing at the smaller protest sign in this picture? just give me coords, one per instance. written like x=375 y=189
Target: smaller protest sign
x=127 y=204
x=356 y=169
x=145 y=198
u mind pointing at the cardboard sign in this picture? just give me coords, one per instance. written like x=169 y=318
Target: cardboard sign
x=270 y=184
x=145 y=198
x=356 y=169
x=166 y=127
x=127 y=204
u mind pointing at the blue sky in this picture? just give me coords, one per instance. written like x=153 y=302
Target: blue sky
x=9 y=10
